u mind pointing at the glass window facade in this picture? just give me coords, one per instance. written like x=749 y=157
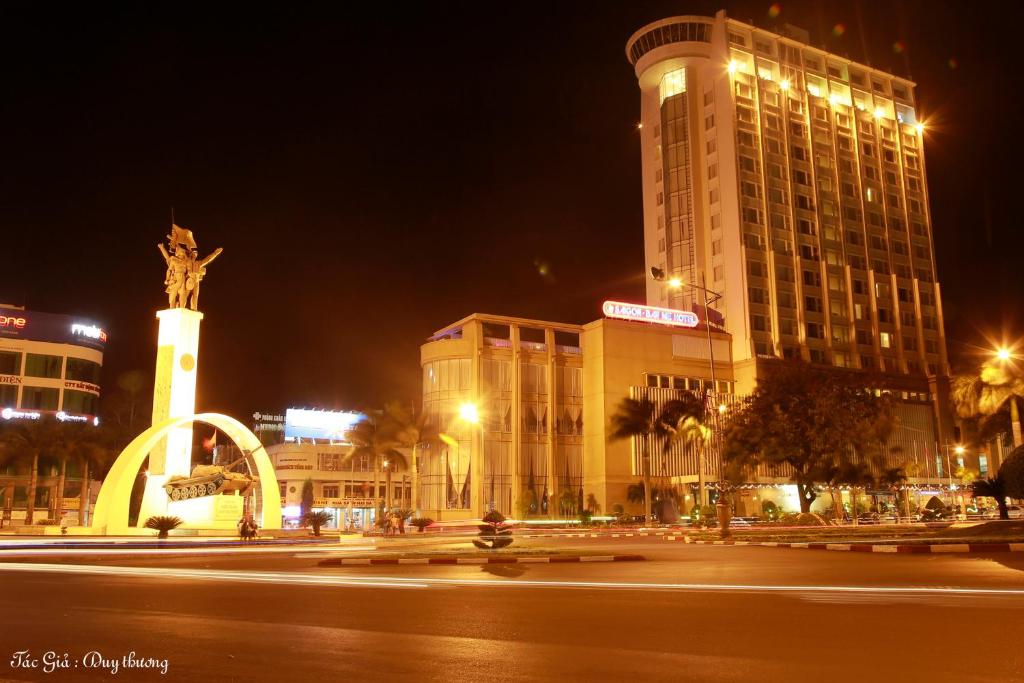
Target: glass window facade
x=83 y=370
x=10 y=363
x=79 y=402
x=8 y=396
x=39 y=365
x=39 y=398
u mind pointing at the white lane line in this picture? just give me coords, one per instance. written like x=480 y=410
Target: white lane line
x=99 y=552
x=295 y=578
x=214 y=575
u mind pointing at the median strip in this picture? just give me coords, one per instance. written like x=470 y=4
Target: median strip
x=473 y=560
x=870 y=547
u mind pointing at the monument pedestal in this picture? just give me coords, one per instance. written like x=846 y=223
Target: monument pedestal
x=174 y=395
x=208 y=512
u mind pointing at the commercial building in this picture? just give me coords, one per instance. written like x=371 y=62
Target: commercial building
x=526 y=404
x=315 y=448
x=541 y=394
x=792 y=182
x=49 y=364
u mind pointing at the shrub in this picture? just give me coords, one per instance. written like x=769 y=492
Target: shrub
x=316 y=520
x=585 y=516
x=770 y=510
x=421 y=523
x=163 y=524
x=494 y=533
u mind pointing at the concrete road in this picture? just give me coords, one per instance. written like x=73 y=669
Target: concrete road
x=689 y=613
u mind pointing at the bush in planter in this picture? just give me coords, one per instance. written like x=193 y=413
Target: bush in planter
x=316 y=520
x=421 y=523
x=163 y=524
x=494 y=533
x=770 y=511
x=585 y=517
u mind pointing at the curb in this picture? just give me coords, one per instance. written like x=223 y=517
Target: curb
x=336 y=562
x=916 y=548
x=596 y=535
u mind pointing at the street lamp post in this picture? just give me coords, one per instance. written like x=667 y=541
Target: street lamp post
x=677 y=284
x=1004 y=355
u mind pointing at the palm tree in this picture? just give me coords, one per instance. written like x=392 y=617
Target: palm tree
x=412 y=430
x=686 y=421
x=163 y=524
x=994 y=487
x=637 y=419
x=376 y=439
x=317 y=519
x=25 y=442
x=592 y=504
x=892 y=478
x=996 y=384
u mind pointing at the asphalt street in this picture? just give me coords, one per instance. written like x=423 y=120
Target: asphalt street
x=699 y=613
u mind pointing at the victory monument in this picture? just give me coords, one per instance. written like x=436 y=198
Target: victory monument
x=204 y=497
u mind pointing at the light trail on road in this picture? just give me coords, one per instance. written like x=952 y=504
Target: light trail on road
x=254 y=550
x=296 y=578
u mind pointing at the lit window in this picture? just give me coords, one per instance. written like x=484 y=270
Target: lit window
x=886 y=340
x=672 y=83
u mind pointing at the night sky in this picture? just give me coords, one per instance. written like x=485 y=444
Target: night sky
x=377 y=171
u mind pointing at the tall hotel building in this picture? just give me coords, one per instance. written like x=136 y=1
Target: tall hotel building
x=792 y=182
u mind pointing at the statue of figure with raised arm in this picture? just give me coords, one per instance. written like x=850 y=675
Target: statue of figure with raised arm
x=185 y=270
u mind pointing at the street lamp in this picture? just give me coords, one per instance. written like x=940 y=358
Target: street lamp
x=469 y=412
x=1004 y=355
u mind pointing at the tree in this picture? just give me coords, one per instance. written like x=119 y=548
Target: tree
x=640 y=419
x=378 y=440
x=687 y=420
x=994 y=487
x=1012 y=471
x=25 y=442
x=414 y=430
x=163 y=524
x=306 y=505
x=316 y=520
x=592 y=504
x=996 y=384
x=808 y=419
x=637 y=419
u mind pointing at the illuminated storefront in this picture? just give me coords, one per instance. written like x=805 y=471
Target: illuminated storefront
x=49 y=365
x=316 y=448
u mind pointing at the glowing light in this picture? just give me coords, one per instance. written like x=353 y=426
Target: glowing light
x=722 y=408
x=1003 y=354
x=732 y=66
x=640 y=126
x=959 y=450
x=832 y=99
x=469 y=413
x=675 y=283
x=879 y=112
x=919 y=127
x=784 y=84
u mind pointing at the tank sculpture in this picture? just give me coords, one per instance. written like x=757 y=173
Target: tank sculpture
x=209 y=480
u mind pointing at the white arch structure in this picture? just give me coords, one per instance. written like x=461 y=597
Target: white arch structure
x=111 y=513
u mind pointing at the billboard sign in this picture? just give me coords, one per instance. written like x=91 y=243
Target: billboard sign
x=649 y=314
x=326 y=425
x=51 y=327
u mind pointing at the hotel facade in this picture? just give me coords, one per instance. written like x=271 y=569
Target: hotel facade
x=788 y=185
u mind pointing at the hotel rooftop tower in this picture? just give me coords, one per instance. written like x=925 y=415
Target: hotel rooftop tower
x=792 y=182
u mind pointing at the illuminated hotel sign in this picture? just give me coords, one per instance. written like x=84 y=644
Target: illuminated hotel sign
x=50 y=327
x=12 y=414
x=649 y=314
